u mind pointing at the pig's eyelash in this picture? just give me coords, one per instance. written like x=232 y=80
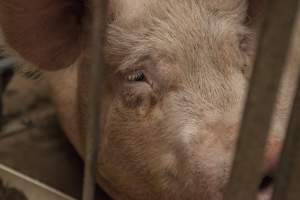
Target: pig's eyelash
x=136 y=76
x=132 y=75
x=31 y=74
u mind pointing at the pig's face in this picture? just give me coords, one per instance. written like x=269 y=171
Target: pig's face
x=175 y=93
x=175 y=82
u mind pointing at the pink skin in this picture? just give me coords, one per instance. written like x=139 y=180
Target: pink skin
x=175 y=83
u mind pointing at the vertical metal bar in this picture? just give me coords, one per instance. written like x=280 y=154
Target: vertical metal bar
x=271 y=56
x=98 y=8
x=287 y=186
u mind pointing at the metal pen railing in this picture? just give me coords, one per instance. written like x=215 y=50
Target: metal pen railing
x=99 y=13
x=267 y=72
x=287 y=185
x=271 y=57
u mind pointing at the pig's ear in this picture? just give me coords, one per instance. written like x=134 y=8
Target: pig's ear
x=47 y=33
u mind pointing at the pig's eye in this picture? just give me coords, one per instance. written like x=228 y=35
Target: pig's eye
x=136 y=76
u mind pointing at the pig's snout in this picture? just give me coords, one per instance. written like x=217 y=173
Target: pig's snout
x=270 y=165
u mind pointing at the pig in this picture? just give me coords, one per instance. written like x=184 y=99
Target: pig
x=175 y=83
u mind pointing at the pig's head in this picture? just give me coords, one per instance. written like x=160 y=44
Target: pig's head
x=174 y=86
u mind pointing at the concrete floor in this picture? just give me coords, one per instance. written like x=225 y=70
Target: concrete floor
x=31 y=141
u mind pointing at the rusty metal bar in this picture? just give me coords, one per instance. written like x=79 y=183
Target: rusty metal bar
x=271 y=57
x=287 y=186
x=98 y=8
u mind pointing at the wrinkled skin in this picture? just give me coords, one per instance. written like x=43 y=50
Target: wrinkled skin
x=175 y=84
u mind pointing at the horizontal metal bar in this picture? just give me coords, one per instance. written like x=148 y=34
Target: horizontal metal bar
x=271 y=57
x=287 y=186
x=99 y=13
x=33 y=190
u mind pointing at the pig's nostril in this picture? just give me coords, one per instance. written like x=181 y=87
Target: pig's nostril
x=266 y=182
x=270 y=165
